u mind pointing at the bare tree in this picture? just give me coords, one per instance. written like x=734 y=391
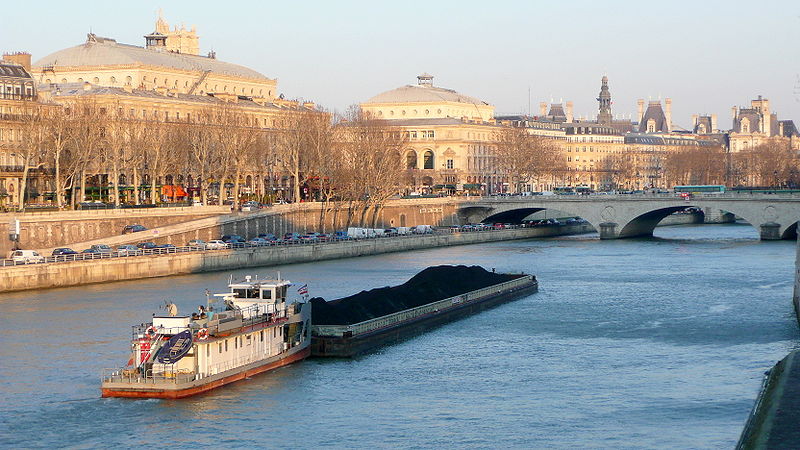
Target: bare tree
x=32 y=148
x=370 y=160
x=523 y=157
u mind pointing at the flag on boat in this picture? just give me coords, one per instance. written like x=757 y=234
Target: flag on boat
x=303 y=290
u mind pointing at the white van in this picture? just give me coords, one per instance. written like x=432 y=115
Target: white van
x=26 y=256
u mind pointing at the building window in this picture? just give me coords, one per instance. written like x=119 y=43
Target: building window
x=450 y=164
x=411 y=160
x=427 y=160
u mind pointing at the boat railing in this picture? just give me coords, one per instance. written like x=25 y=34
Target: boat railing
x=412 y=313
x=252 y=315
x=135 y=376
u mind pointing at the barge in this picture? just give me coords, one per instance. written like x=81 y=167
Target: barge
x=361 y=323
x=252 y=329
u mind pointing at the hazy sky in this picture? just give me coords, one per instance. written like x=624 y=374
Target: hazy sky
x=706 y=55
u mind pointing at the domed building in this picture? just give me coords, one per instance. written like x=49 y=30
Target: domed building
x=426 y=101
x=169 y=60
x=450 y=137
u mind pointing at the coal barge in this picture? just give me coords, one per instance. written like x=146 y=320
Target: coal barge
x=365 y=321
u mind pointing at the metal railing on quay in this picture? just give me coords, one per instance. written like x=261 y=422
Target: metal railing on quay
x=240 y=246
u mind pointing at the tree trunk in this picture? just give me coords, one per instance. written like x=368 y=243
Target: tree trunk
x=115 y=181
x=57 y=187
x=136 y=193
x=236 y=186
x=153 y=187
x=82 y=187
x=22 y=186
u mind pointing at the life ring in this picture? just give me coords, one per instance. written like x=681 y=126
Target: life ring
x=202 y=335
x=151 y=331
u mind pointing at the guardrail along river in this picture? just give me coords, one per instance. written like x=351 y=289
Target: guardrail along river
x=640 y=343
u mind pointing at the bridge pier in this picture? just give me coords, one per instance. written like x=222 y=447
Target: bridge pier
x=608 y=230
x=770 y=231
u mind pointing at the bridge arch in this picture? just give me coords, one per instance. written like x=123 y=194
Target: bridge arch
x=644 y=223
x=473 y=214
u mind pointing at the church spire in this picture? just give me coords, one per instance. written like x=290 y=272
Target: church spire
x=604 y=118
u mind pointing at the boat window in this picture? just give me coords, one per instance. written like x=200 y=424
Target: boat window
x=266 y=293
x=226 y=345
x=246 y=293
x=262 y=335
x=282 y=292
x=220 y=347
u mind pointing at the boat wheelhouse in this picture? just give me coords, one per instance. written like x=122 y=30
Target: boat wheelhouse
x=249 y=330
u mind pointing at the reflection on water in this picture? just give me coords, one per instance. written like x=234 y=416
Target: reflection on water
x=631 y=343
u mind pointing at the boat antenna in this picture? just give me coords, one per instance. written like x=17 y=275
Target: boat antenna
x=279 y=275
x=208 y=298
x=230 y=280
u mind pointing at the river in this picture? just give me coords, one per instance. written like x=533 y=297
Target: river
x=640 y=343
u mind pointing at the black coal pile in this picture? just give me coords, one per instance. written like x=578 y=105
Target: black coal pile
x=430 y=285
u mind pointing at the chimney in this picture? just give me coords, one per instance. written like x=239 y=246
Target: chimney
x=570 y=115
x=639 y=110
x=542 y=108
x=668 y=113
x=734 y=112
x=714 y=123
x=21 y=58
x=694 y=120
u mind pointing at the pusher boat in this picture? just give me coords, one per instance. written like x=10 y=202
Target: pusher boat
x=249 y=330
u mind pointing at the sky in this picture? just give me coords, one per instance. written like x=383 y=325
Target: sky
x=706 y=55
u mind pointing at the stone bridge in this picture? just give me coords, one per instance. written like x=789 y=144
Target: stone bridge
x=624 y=215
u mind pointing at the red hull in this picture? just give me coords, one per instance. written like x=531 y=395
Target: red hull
x=181 y=393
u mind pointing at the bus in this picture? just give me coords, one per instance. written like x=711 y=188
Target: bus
x=704 y=189
x=564 y=190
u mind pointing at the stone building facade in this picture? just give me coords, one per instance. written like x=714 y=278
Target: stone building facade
x=450 y=137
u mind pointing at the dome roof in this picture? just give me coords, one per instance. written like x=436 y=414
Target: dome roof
x=423 y=93
x=98 y=51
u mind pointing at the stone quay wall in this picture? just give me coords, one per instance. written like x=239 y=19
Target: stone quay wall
x=37 y=276
x=62 y=228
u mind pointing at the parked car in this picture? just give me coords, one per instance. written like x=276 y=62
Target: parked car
x=291 y=237
x=103 y=248
x=390 y=231
x=26 y=256
x=146 y=245
x=91 y=250
x=127 y=250
x=216 y=244
x=197 y=244
x=251 y=206
x=341 y=235
x=268 y=236
x=135 y=228
x=64 y=251
x=231 y=238
x=166 y=246
x=258 y=242
x=311 y=237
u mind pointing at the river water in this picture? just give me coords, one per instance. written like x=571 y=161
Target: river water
x=641 y=343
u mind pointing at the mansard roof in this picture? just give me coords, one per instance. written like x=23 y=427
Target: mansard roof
x=9 y=69
x=655 y=113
